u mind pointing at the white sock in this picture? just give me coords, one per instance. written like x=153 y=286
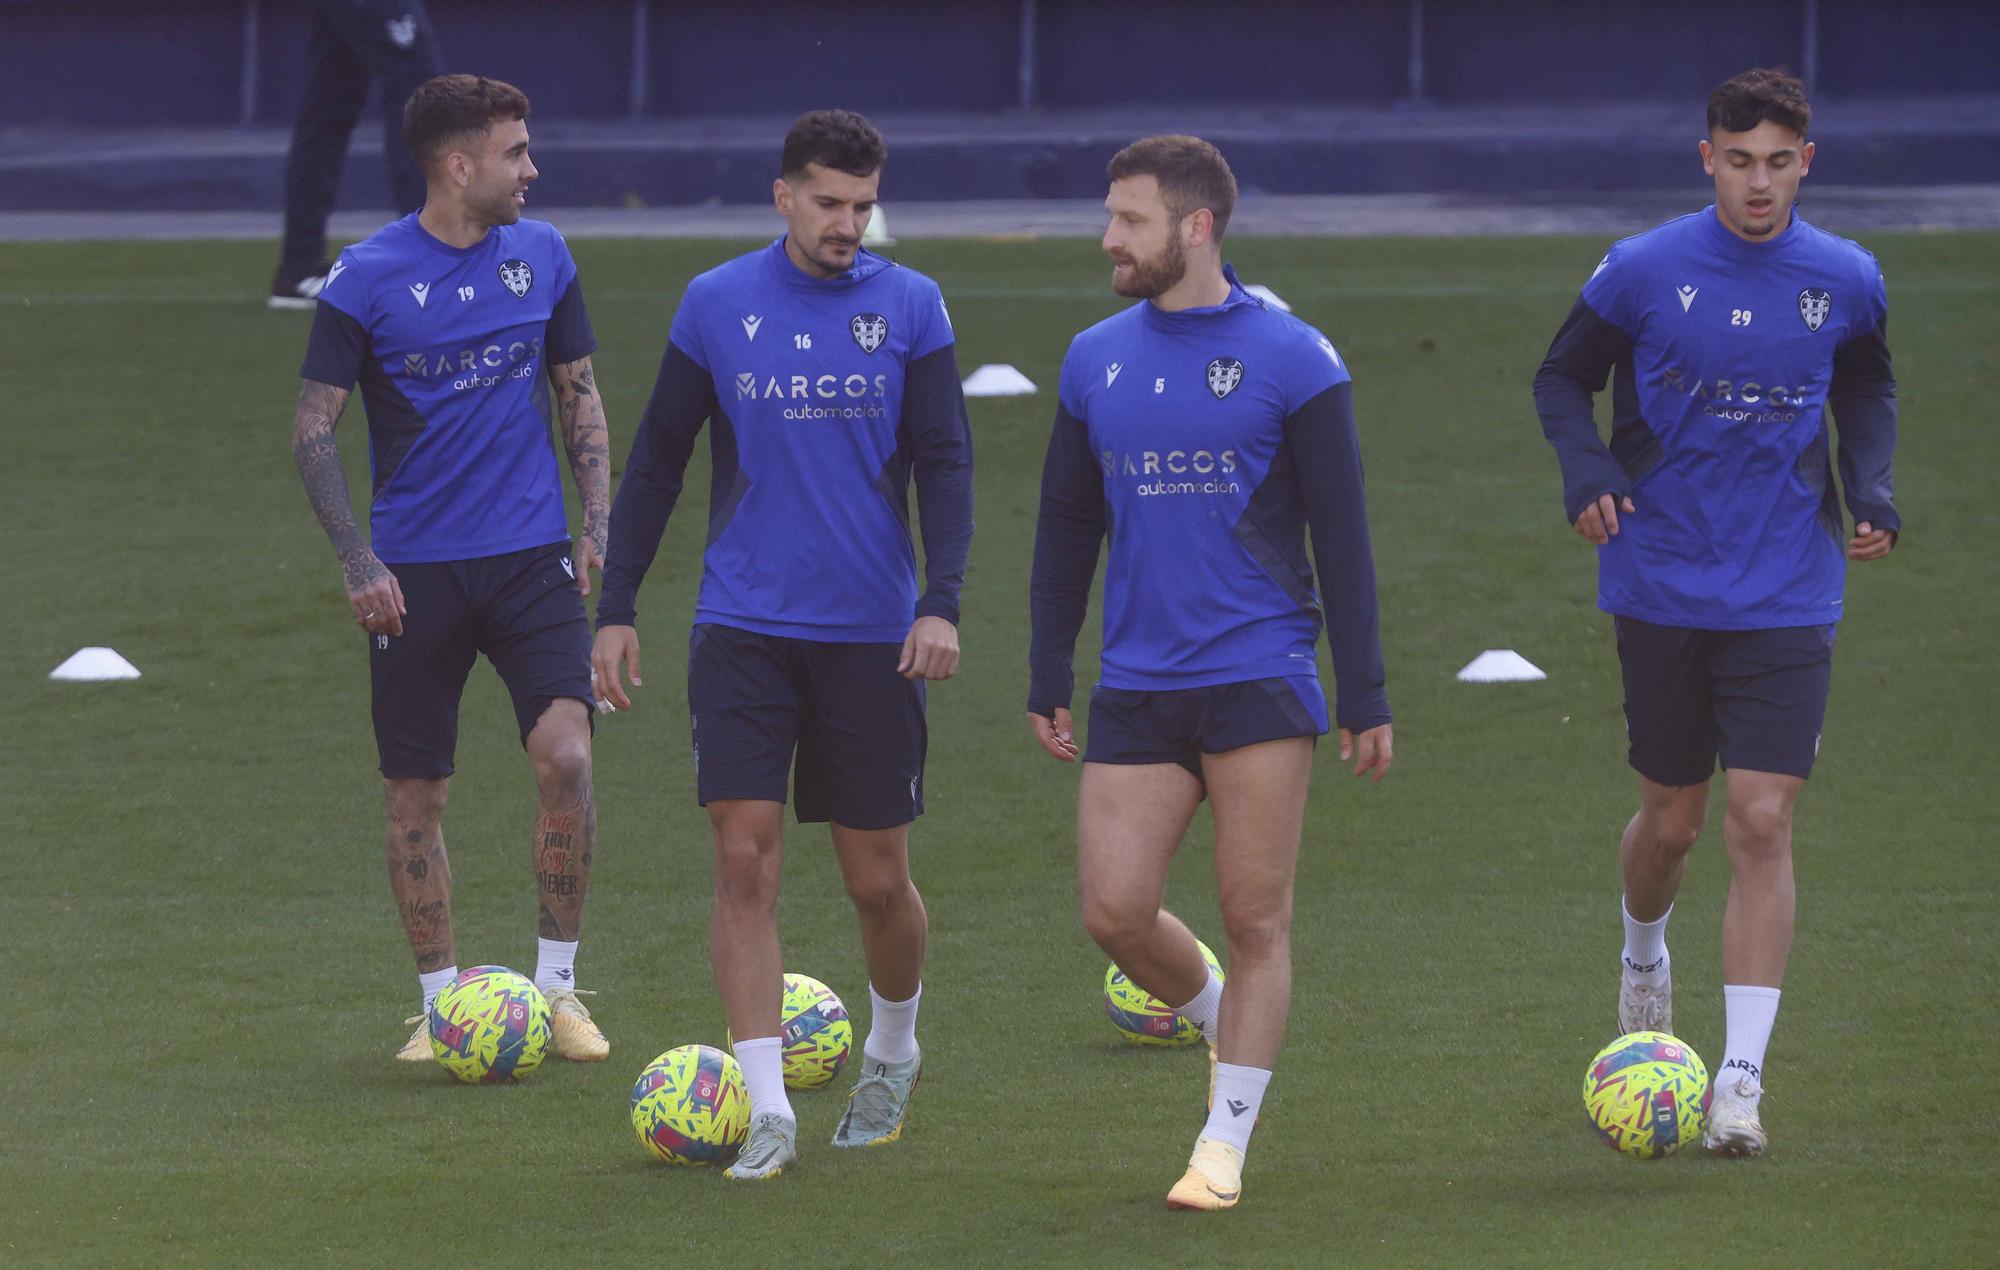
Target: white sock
x=555 y=964
x=1748 y=1014
x=892 y=1028
x=1645 y=956
x=763 y=1062
x=433 y=983
x=1205 y=1011
x=1239 y=1095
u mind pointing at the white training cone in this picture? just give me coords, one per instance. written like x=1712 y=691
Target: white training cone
x=877 y=234
x=88 y=665
x=993 y=380
x=1269 y=297
x=1500 y=666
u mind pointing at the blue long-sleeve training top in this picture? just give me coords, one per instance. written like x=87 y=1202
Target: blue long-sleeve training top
x=1206 y=444
x=824 y=397
x=1726 y=354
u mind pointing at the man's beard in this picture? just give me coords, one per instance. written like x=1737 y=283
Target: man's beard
x=1155 y=277
x=495 y=211
x=824 y=259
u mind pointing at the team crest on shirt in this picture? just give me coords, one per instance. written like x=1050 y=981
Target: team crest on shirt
x=518 y=276
x=870 y=329
x=1224 y=373
x=1814 y=305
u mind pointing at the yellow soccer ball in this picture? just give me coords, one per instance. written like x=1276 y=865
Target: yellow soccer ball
x=1647 y=1094
x=1144 y=1019
x=814 y=1031
x=490 y=1026
x=689 y=1106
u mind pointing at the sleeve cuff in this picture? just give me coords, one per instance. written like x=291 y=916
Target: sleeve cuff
x=938 y=606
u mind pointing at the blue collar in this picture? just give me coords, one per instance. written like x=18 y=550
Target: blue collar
x=1199 y=316
x=866 y=265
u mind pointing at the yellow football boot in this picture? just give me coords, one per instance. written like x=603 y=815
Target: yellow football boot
x=572 y=1034
x=1214 y=1178
x=418 y=1048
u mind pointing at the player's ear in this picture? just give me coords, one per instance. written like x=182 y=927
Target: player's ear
x=1200 y=227
x=781 y=194
x=1805 y=158
x=1707 y=156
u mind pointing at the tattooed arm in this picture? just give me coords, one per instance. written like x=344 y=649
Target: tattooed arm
x=371 y=589
x=588 y=441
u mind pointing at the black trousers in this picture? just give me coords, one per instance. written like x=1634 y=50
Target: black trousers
x=353 y=43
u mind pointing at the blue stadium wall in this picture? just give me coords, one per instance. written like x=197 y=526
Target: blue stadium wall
x=1035 y=87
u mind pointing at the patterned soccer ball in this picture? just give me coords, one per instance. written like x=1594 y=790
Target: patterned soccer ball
x=490 y=1026
x=1647 y=1094
x=689 y=1106
x=816 y=1032
x=1144 y=1019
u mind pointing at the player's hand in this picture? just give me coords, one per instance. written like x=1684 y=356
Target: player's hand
x=615 y=647
x=930 y=650
x=1870 y=543
x=1373 y=750
x=589 y=555
x=1056 y=734
x=374 y=593
x=1599 y=522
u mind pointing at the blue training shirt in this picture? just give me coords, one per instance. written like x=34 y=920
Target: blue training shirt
x=1727 y=355
x=1205 y=444
x=825 y=395
x=450 y=345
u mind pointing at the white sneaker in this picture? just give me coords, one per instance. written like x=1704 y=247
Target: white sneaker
x=773 y=1143
x=1733 y=1127
x=288 y=292
x=1645 y=1007
x=879 y=1105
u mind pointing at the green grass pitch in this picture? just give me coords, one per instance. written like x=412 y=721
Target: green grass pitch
x=205 y=978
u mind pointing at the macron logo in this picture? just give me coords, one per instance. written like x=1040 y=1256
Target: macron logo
x=421 y=290
x=1238 y=1107
x=751 y=322
x=1111 y=373
x=1687 y=295
x=1326 y=346
x=339 y=267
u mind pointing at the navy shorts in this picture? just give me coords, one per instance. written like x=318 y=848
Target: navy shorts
x=1180 y=725
x=838 y=716
x=521 y=609
x=1754 y=699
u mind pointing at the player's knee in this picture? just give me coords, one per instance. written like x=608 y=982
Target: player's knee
x=746 y=873
x=1760 y=827
x=1117 y=922
x=417 y=803
x=877 y=892
x=1675 y=836
x=1258 y=934
x=563 y=766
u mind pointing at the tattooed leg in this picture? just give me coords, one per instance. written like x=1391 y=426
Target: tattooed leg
x=565 y=836
x=419 y=875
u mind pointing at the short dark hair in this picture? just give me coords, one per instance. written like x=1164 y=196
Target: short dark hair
x=1191 y=172
x=836 y=139
x=452 y=107
x=1749 y=99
